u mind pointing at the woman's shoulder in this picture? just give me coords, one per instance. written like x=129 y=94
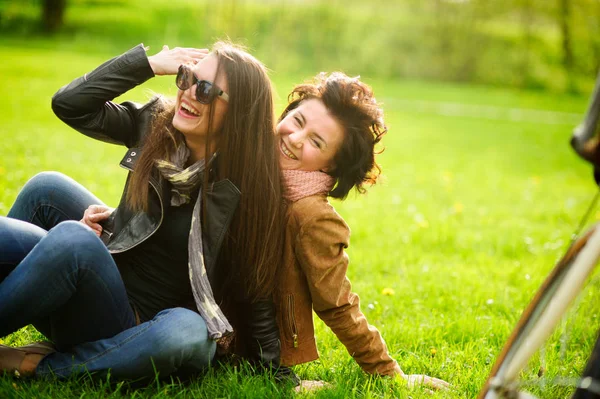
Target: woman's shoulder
x=311 y=206
x=313 y=210
x=156 y=104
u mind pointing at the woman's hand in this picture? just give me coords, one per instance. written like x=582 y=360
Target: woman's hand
x=425 y=381
x=167 y=61
x=95 y=214
x=311 y=385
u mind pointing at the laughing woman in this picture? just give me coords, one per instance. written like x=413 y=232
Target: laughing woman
x=194 y=242
x=327 y=138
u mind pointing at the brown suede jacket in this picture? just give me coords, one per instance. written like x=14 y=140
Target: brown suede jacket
x=313 y=276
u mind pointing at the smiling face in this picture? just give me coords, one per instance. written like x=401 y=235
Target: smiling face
x=191 y=117
x=309 y=137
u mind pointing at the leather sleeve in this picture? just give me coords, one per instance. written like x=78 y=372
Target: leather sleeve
x=86 y=103
x=320 y=251
x=262 y=340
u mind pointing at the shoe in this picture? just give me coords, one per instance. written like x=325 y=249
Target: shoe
x=11 y=359
x=41 y=345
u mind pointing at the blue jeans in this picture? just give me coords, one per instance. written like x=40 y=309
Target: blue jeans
x=66 y=283
x=49 y=198
x=175 y=340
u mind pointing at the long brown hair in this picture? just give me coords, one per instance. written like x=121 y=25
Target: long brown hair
x=246 y=146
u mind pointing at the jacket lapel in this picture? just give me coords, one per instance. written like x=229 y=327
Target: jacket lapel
x=221 y=202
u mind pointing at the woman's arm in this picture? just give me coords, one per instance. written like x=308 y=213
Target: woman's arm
x=320 y=251
x=86 y=103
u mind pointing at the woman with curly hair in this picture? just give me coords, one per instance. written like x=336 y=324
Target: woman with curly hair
x=327 y=138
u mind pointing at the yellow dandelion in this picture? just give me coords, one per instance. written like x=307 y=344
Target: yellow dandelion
x=433 y=351
x=388 y=292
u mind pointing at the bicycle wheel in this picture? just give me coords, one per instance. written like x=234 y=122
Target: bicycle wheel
x=542 y=315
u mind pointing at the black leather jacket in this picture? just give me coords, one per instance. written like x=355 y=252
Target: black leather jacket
x=86 y=105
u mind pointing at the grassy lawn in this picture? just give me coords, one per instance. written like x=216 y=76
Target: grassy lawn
x=480 y=198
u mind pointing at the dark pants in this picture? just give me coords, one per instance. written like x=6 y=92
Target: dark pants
x=65 y=282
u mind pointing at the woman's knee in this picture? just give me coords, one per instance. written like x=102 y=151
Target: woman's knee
x=44 y=183
x=185 y=333
x=73 y=233
x=17 y=239
x=18 y=236
x=77 y=241
x=38 y=190
x=66 y=250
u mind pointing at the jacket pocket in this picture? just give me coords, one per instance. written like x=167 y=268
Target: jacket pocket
x=291 y=316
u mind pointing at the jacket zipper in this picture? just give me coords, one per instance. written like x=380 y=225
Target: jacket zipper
x=292 y=320
x=162 y=213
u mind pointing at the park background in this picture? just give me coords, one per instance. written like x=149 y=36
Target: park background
x=481 y=191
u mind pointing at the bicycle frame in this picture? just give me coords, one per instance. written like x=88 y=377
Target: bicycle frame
x=585 y=138
x=542 y=315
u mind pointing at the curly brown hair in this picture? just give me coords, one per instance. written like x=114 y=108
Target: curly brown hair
x=353 y=105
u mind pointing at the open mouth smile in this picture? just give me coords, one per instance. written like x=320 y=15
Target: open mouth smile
x=187 y=110
x=286 y=151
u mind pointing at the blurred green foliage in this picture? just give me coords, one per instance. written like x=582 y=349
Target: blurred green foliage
x=519 y=43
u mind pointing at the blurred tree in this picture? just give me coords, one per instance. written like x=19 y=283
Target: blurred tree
x=527 y=43
x=590 y=13
x=594 y=27
x=527 y=21
x=52 y=14
x=564 y=14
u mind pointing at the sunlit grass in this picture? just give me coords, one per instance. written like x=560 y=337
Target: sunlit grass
x=445 y=253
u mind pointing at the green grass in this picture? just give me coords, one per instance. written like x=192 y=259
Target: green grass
x=474 y=211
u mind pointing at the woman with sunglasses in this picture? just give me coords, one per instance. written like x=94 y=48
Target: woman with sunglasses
x=190 y=252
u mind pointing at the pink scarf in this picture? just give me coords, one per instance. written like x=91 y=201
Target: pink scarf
x=301 y=183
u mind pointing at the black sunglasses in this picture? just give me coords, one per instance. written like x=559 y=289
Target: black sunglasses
x=206 y=92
